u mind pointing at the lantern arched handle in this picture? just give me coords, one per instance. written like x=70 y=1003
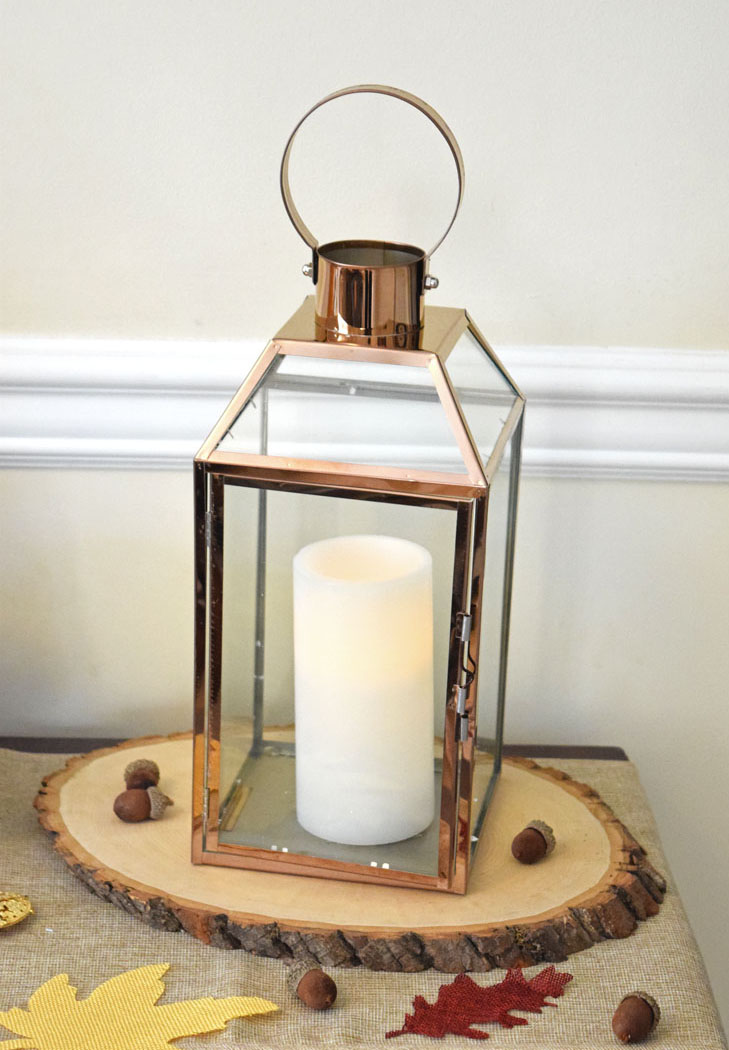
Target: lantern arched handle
x=376 y=89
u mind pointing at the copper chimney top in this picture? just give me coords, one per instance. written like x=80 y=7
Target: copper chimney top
x=370 y=292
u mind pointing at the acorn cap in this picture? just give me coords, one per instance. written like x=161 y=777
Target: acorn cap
x=142 y=767
x=651 y=1002
x=546 y=832
x=296 y=972
x=158 y=803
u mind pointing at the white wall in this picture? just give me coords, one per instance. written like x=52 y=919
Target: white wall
x=142 y=140
x=140 y=147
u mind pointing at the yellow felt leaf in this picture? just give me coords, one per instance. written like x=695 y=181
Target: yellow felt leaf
x=118 y=1015
x=13 y=908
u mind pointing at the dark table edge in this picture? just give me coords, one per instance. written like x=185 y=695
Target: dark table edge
x=73 y=745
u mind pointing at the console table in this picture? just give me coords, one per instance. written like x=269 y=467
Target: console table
x=74 y=932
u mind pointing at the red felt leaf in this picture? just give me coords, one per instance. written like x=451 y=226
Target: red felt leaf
x=463 y=1003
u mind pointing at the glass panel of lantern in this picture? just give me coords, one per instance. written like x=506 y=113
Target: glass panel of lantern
x=487 y=397
x=344 y=591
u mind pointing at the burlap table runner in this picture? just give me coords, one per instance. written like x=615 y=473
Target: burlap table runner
x=74 y=932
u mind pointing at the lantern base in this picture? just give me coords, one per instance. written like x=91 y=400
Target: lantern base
x=595 y=886
x=260 y=811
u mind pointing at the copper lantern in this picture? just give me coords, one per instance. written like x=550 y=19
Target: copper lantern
x=352 y=607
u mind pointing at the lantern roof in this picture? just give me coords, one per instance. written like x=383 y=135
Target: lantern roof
x=433 y=419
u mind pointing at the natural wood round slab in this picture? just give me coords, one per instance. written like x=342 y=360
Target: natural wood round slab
x=596 y=885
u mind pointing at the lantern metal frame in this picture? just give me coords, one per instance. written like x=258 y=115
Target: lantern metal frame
x=467 y=495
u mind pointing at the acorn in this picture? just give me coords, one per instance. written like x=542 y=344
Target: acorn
x=315 y=988
x=141 y=773
x=636 y=1017
x=137 y=804
x=533 y=843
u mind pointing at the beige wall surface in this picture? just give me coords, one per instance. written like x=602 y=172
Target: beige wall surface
x=141 y=145
x=139 y=153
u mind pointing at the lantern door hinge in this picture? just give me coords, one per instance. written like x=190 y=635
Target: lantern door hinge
x=464 y=626
x=208 y=528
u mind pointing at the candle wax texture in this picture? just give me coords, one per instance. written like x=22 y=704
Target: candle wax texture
x=363 y=656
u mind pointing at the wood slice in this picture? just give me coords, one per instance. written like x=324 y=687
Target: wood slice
x=596 y=885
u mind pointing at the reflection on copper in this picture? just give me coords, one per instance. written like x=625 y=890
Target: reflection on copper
x=370 y=293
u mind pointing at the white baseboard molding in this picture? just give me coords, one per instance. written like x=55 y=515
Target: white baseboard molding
x=138 y=404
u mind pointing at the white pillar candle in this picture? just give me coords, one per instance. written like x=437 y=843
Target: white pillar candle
x=363 y=655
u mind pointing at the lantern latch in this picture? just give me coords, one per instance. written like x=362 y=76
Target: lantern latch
x=464 y=623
